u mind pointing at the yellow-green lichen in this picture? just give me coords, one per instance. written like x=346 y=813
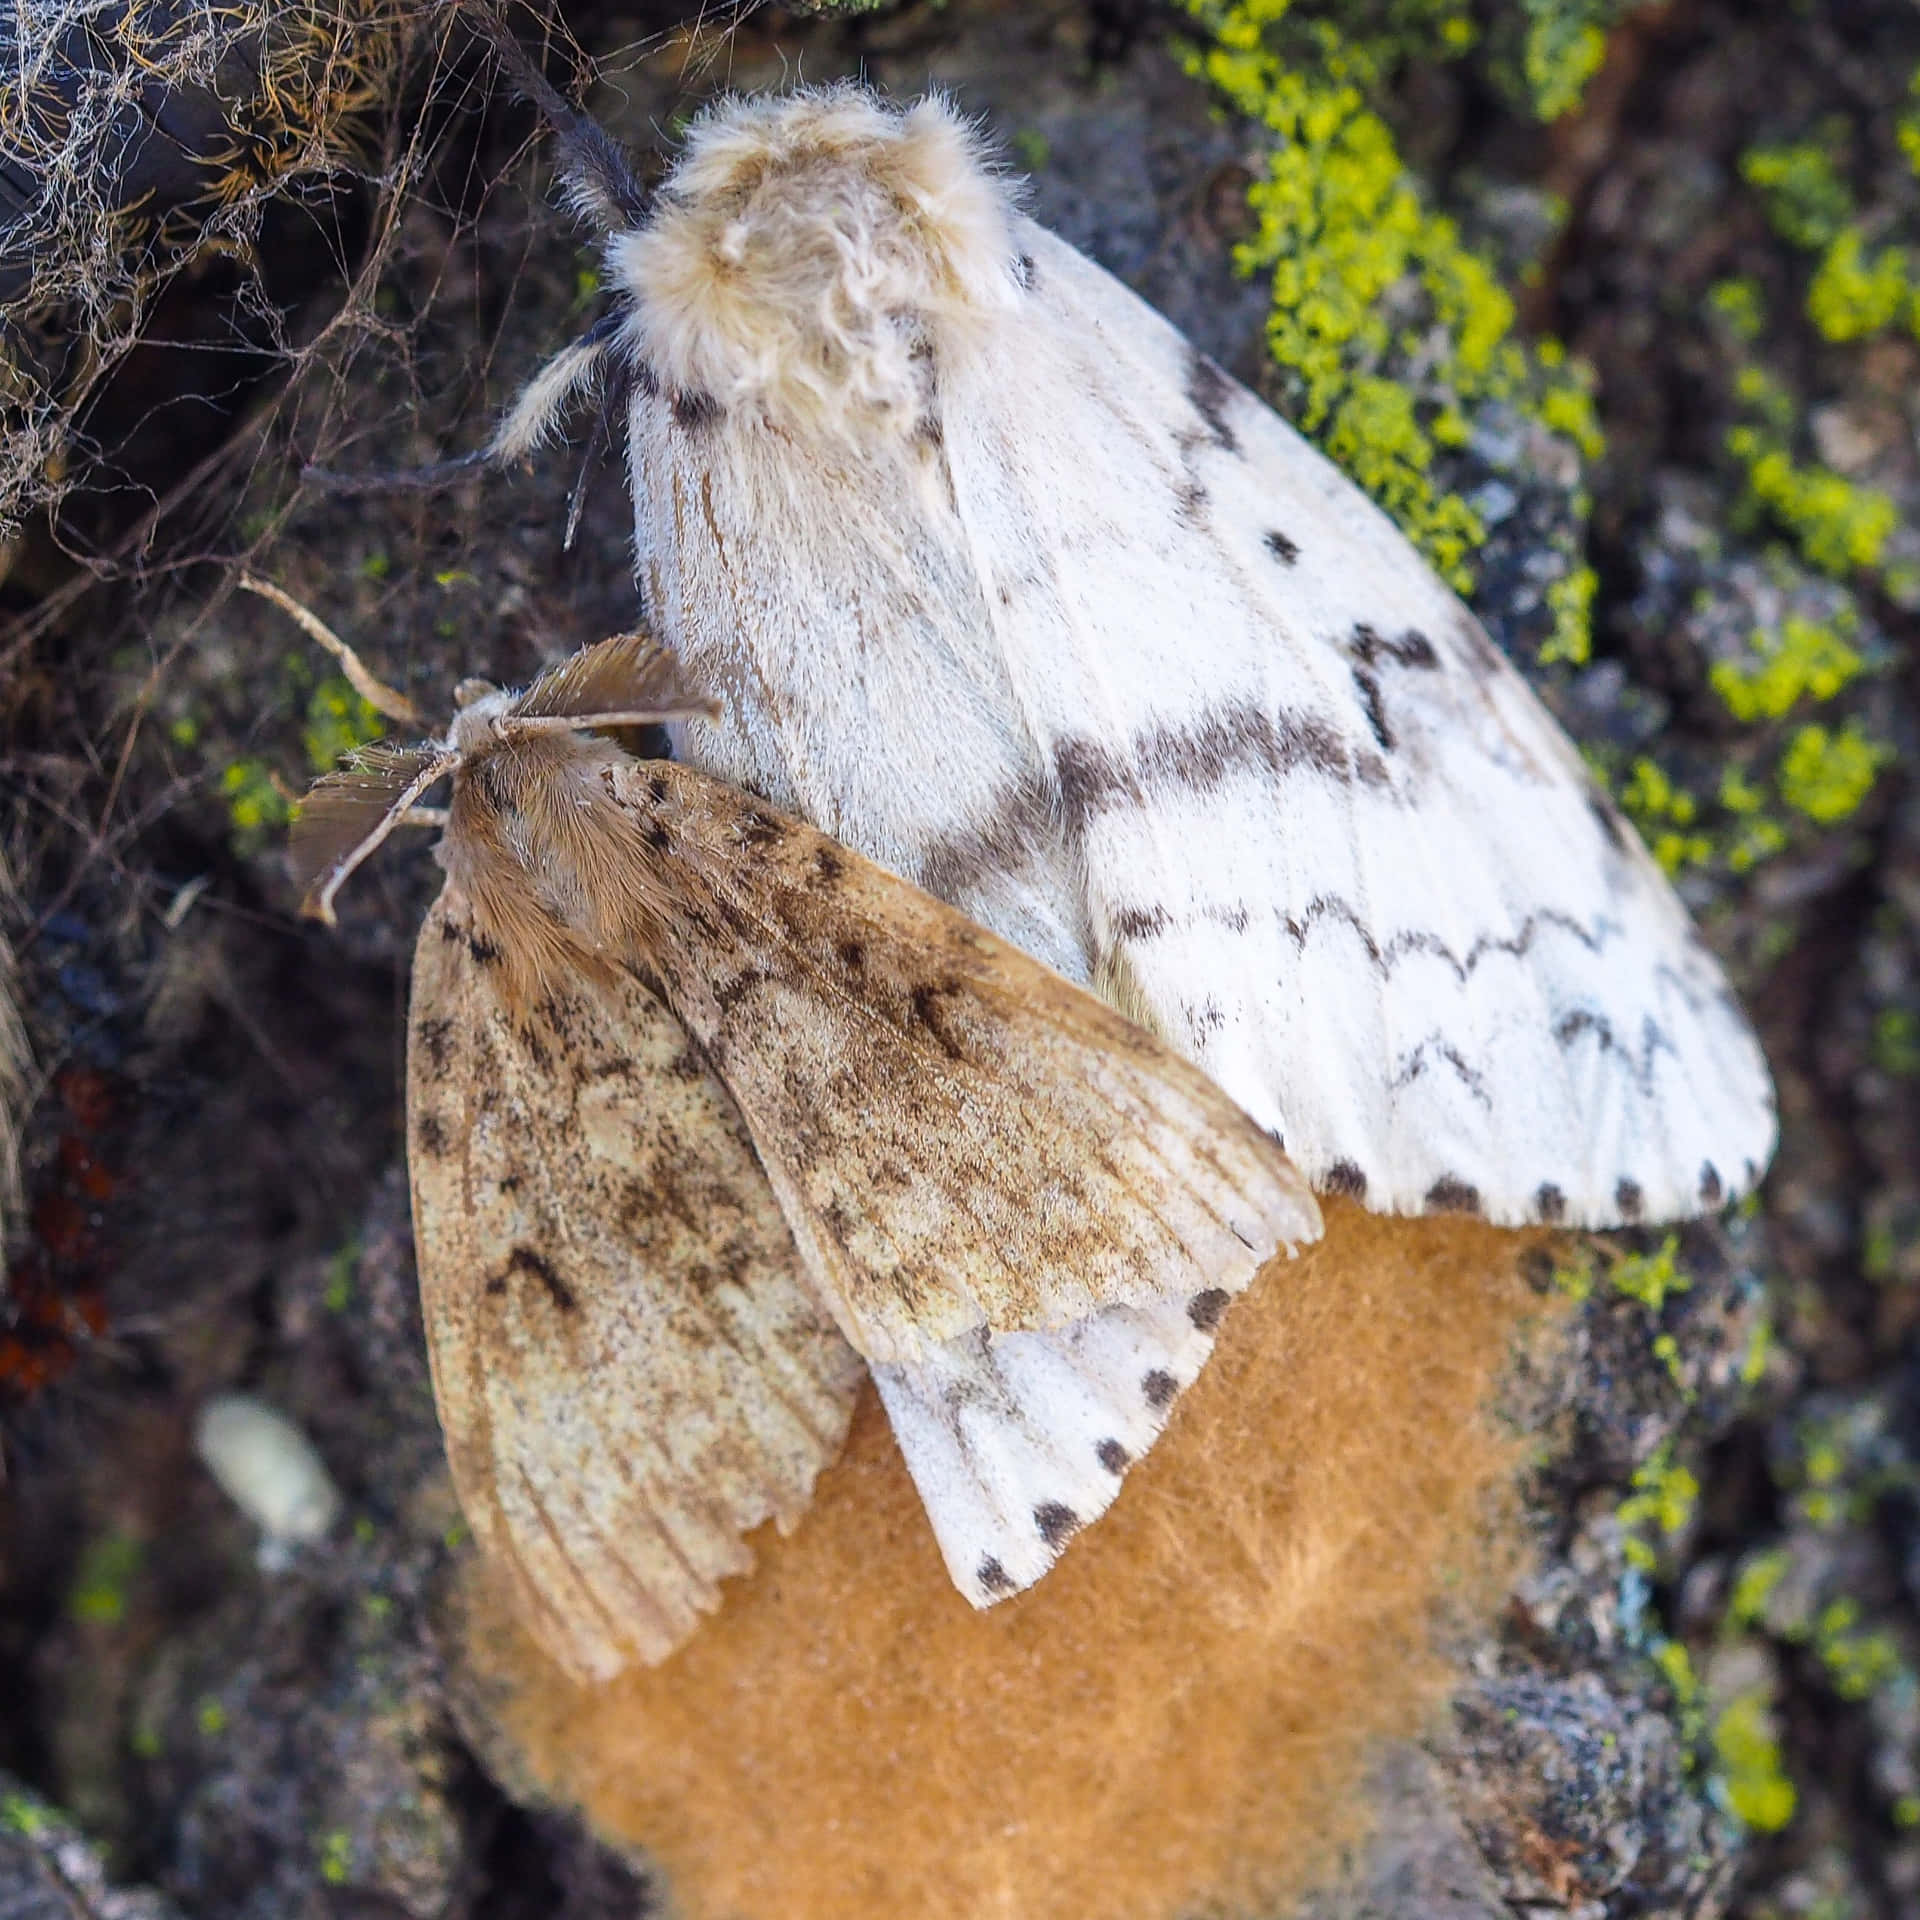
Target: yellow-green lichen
x=1853 y=294
x=1739 y=306
x=210 y=1716
x=1802 y=659
x=1806 y=200
x=1667 y=816
x=335 y=1853
x=103 y=1578
x=1661 y=1503
x=23 y=1815
x=1747 y=1750
x=1562 y=54
x=256 y=805
x=1754 y=1586
x=1858 y=1662
x=1570 y=601
x=1361 y=270
x=1839 y=527
x=338 y=722
x=1827 y=774
x=1896 y=1041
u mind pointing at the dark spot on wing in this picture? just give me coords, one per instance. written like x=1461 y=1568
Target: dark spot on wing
x=1607 y=817
x=695 y=411
x=1025 y=274
x=1711 y=1191
x=927 y=1012
x=853 y=956
x=1159 y=1388
x=657 y=787
x=1448 y=1195
x=436 y=1036
x=429 y=1135
x=1629 y=1199
x=1139 y=923
x=1550 y=1205
x=1057 y=1524
x=1411 y=649
x=993 y=1577
x=1344 y=1177
x=1369 y=690
x=1113 y=1456
x=1209 y=390
x=524 y=1259
x=1001 y=839
x=828 y=867
x=1190 y=503
x=1206 y=1308
x=1282 y=549
x=761 y=828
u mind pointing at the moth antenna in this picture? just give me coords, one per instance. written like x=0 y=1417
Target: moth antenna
x=598 y=173
x=530 y=422
x=626 y=681
x=376 y=693
x=318 y=904
x=533 y=418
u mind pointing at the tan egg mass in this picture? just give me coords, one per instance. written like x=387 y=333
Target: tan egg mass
x=1178 y=1719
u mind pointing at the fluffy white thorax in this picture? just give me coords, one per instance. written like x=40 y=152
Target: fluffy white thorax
x=808 y=254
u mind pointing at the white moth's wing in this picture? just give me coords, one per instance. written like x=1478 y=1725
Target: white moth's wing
x=630 y=1369
x=1018 y=1440
x=1334 y=847
x=960 y=1139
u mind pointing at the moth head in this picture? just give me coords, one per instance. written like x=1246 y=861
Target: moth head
x=623 y=682
x=815 y=257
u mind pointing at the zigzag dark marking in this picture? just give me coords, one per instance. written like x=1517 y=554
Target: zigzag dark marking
x=1444 y=1050
x=1384 y=959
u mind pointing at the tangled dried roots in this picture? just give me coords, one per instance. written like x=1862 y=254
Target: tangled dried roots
x=137 y=138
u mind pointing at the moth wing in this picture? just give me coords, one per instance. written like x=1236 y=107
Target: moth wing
x=961 y=1140
x=1335 y=849
x=1018 y=1440
x=630 y=1369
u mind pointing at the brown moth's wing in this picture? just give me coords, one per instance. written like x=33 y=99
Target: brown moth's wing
x=959 y=1137
x=630 y=1369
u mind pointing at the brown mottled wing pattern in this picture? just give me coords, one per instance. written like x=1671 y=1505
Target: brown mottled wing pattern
x=630 y=1369
x=960 y=1138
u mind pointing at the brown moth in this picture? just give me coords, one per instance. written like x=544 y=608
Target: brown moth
x=704 y=1110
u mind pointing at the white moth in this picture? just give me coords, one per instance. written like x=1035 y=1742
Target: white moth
x=704 y=1109
x=1010 y=588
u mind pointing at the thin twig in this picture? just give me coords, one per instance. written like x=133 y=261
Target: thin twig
x=376 y=693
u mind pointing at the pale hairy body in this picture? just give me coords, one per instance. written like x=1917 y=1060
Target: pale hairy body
x=1004 y=584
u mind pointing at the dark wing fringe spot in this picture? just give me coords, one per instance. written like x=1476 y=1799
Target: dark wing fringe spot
x=1344 y=1177
x=1210 y=392
x=1711 y=1190
x=993 y=1577
x=1549 y=1205
x=1448 y=1195
x=1629 y=1199
x=1208 y=1308
x=1057 y=1524
x=1282 y=549
x=1159 y=1387
x=1113 y=1456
